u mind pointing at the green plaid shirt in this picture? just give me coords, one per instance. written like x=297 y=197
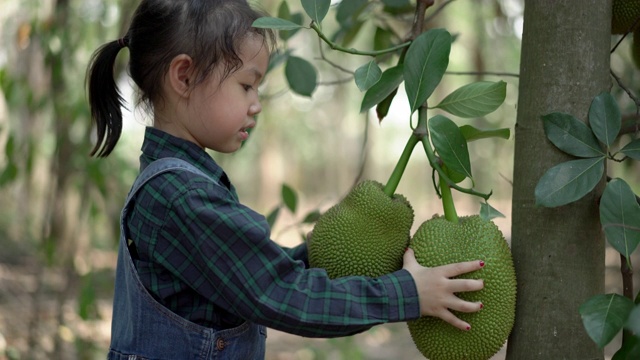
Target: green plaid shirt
x=210 y=259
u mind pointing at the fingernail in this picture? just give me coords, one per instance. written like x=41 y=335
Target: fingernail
x=468 y=328
x=481 y=263
x=481 y=306
x=407 y=249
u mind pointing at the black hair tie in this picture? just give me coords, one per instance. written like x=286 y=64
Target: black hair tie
x=123 y=42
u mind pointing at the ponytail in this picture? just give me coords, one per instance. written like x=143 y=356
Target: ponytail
x=105 y=100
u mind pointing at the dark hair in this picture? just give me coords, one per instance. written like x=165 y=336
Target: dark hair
x=209 y=31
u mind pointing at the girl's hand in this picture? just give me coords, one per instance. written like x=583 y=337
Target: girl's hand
x=437 y=290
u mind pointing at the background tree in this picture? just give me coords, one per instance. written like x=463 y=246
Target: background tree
x=558 y=252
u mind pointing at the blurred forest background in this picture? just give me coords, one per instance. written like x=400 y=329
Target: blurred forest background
x=59 y=224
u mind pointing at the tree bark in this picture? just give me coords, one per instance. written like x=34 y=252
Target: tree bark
x=558 y=252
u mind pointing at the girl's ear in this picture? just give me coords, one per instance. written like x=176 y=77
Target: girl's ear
x=180 y=75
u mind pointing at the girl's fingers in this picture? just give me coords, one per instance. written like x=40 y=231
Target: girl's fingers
x=464 y=285
x=466 y=306
x=453 y=320
x=453 y=270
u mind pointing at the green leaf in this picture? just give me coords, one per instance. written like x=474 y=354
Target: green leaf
x=569 y=181
x=632 y=149
x=603 y=316
x=87 y=298
x=289 y=198
x=301 y=76
x=388 y=83
x=620 y=217
x=285 y=13
x=277 y=58
x=349 y=33
x=8 y=174
x=604 y=118
x=396 y=3
x=450 y=144
x=475 y=99
x=316 y=9
x=10 y=146
x=471 y=133
x=454 y=176
x=312 y=217
x=630 y=349
x=382 y=39
x=633 y=322
x=425 y=63
x=488 y=213
x=275 y=23
x=273 y=216
x=571 y=135
x=383 y=107
x=367 y=75
x=348 y=11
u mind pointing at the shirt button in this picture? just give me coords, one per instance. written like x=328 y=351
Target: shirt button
x=220 y=344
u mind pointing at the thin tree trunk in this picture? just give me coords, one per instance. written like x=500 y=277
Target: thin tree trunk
x=558 y=252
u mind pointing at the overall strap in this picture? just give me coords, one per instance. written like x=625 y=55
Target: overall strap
x=160 y=166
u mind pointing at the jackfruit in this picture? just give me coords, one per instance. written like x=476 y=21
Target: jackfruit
x=439 y=242
x=624 y=15
x=365 y=234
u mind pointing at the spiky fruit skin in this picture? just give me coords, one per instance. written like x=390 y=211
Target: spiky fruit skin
x=365 y=234
x=624 y=15
x=440 y=242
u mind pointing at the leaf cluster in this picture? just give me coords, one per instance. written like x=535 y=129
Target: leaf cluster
x=421 y=65
x=593 y=144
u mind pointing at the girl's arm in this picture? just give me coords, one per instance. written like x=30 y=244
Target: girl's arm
x=225 y=253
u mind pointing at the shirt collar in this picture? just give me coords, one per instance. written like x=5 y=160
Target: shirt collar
x=159 y=144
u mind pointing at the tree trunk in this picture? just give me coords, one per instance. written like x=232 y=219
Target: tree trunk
x=558 y=252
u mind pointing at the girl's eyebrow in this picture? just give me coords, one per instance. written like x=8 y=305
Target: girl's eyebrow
x=256 y=73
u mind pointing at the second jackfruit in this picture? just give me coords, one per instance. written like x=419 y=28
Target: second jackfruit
x=439 y=242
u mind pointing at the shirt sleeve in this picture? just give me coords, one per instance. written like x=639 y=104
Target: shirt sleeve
x=229 y=258
x=298 y=252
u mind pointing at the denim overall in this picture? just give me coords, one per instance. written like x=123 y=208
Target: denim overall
x=142 y=328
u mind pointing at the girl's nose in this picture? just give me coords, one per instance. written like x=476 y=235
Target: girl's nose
x=255 y=108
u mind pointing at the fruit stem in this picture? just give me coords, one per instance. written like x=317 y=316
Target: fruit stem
x=398 y=171
x=422 y=132
x=447 y=201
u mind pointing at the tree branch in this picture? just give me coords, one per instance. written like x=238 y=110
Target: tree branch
x=475 y=73
x=627 y=90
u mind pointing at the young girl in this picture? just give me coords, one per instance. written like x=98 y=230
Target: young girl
x=198 y=276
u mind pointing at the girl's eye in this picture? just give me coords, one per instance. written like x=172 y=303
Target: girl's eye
x=247 y=87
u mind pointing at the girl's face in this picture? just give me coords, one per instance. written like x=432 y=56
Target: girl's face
x=219 y=114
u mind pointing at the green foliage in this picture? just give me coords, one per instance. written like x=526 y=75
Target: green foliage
x=425 y=64
x=316 y=9
x=276 y=24
x=569 y=181
x=289 y=198
x=450 y=144
x=367 y=75
x=632 y=150
x=620 y=217
x=385 y=87
x=488 y=213
x=571 y=135
x=603 y=315
x=301 y=75
x=475 y=99
x=471 y=133
x=605 y=118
